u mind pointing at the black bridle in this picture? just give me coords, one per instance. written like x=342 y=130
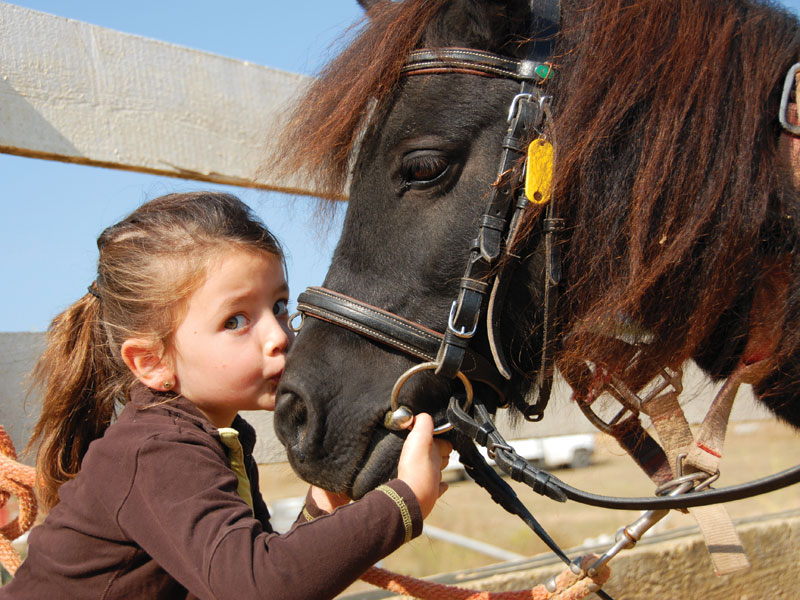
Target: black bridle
x=483 y=286
x=482 y=291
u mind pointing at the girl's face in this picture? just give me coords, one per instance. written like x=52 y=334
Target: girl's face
x=230 y=349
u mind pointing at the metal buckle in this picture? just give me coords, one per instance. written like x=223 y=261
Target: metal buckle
x=451 y=326
x=631 y=402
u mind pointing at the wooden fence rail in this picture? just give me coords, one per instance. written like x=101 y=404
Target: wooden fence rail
x=76 y=92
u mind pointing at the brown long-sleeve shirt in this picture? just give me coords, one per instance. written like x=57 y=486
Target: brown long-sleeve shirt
x=154 y=513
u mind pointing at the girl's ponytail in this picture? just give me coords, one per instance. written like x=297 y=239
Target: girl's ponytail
x=73 y=375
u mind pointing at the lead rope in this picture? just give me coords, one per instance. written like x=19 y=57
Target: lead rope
x=568 y=585
x=18 y=480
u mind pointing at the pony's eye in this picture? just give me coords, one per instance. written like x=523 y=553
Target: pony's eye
x=423 y=168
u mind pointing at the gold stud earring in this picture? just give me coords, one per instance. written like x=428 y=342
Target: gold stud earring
x=166 y=385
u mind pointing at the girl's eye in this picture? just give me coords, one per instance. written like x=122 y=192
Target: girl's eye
x=423 y=168
x=235 y=322
x=280 y=308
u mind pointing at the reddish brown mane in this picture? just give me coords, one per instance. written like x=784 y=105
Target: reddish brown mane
x=676 y=198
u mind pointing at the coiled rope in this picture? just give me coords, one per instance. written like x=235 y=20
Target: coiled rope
x=17 y=480
x=568 y=585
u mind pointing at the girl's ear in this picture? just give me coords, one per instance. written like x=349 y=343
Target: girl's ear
x=145 y=359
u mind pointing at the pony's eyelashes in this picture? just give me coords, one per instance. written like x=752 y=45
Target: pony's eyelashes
x=427 y=170
x=423 y=168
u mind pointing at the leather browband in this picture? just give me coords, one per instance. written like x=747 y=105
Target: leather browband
x=455 y=59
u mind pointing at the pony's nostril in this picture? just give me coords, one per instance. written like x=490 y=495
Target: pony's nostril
x=292 y=424
x=297 y=416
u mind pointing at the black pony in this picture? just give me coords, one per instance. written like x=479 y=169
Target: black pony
x=672 y=176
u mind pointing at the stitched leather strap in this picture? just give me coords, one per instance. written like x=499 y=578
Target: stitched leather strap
x=392 y=330
x=473 y=61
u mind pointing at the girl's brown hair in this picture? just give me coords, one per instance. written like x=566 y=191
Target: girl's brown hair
x=149 y=264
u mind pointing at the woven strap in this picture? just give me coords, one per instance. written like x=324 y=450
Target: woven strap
x=722 y=542
x=17 y=480
x=565 y=586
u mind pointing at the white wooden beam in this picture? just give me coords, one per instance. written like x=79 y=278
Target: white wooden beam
x=75 y=92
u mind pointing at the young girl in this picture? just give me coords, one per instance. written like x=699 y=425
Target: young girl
x=185 y=326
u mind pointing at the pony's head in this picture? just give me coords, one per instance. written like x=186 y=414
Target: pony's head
x=667 y=175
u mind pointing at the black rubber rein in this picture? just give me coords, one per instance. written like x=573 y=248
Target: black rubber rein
x=542 y=482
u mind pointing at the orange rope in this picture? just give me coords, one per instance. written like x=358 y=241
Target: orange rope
x=18 y=480
x=568 y=586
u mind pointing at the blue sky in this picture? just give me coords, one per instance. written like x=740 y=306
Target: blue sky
x=51 y=213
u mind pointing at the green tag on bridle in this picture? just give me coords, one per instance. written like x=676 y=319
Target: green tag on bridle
x=539 y=171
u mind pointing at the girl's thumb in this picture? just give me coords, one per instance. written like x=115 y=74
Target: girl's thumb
x=422 y=425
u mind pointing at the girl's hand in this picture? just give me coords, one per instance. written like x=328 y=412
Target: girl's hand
x=328 y=501
x=421 y=462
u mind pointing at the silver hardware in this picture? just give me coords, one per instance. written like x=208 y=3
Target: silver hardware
x=400 y=417
x=631 y=404
x=788 y=83
x=490 y=449
x=512 y=110
x=295 y=328
x=702 y=478
x=545 y=101
x=575 y=566
x=451 y=326
x=627 y=537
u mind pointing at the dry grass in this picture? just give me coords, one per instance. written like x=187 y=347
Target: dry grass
x=752 y=450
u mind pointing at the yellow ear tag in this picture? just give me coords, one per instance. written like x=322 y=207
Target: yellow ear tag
x=539 y=172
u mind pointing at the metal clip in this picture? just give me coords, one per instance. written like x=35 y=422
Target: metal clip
x=702 y=478
x=492 y=447
x=512 y=110
x=627 y=537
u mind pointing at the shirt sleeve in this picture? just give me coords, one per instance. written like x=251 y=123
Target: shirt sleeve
x=183 y=511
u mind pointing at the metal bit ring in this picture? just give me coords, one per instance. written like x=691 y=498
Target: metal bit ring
x=400 y=417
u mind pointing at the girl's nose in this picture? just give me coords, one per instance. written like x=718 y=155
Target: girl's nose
x=278 y=337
